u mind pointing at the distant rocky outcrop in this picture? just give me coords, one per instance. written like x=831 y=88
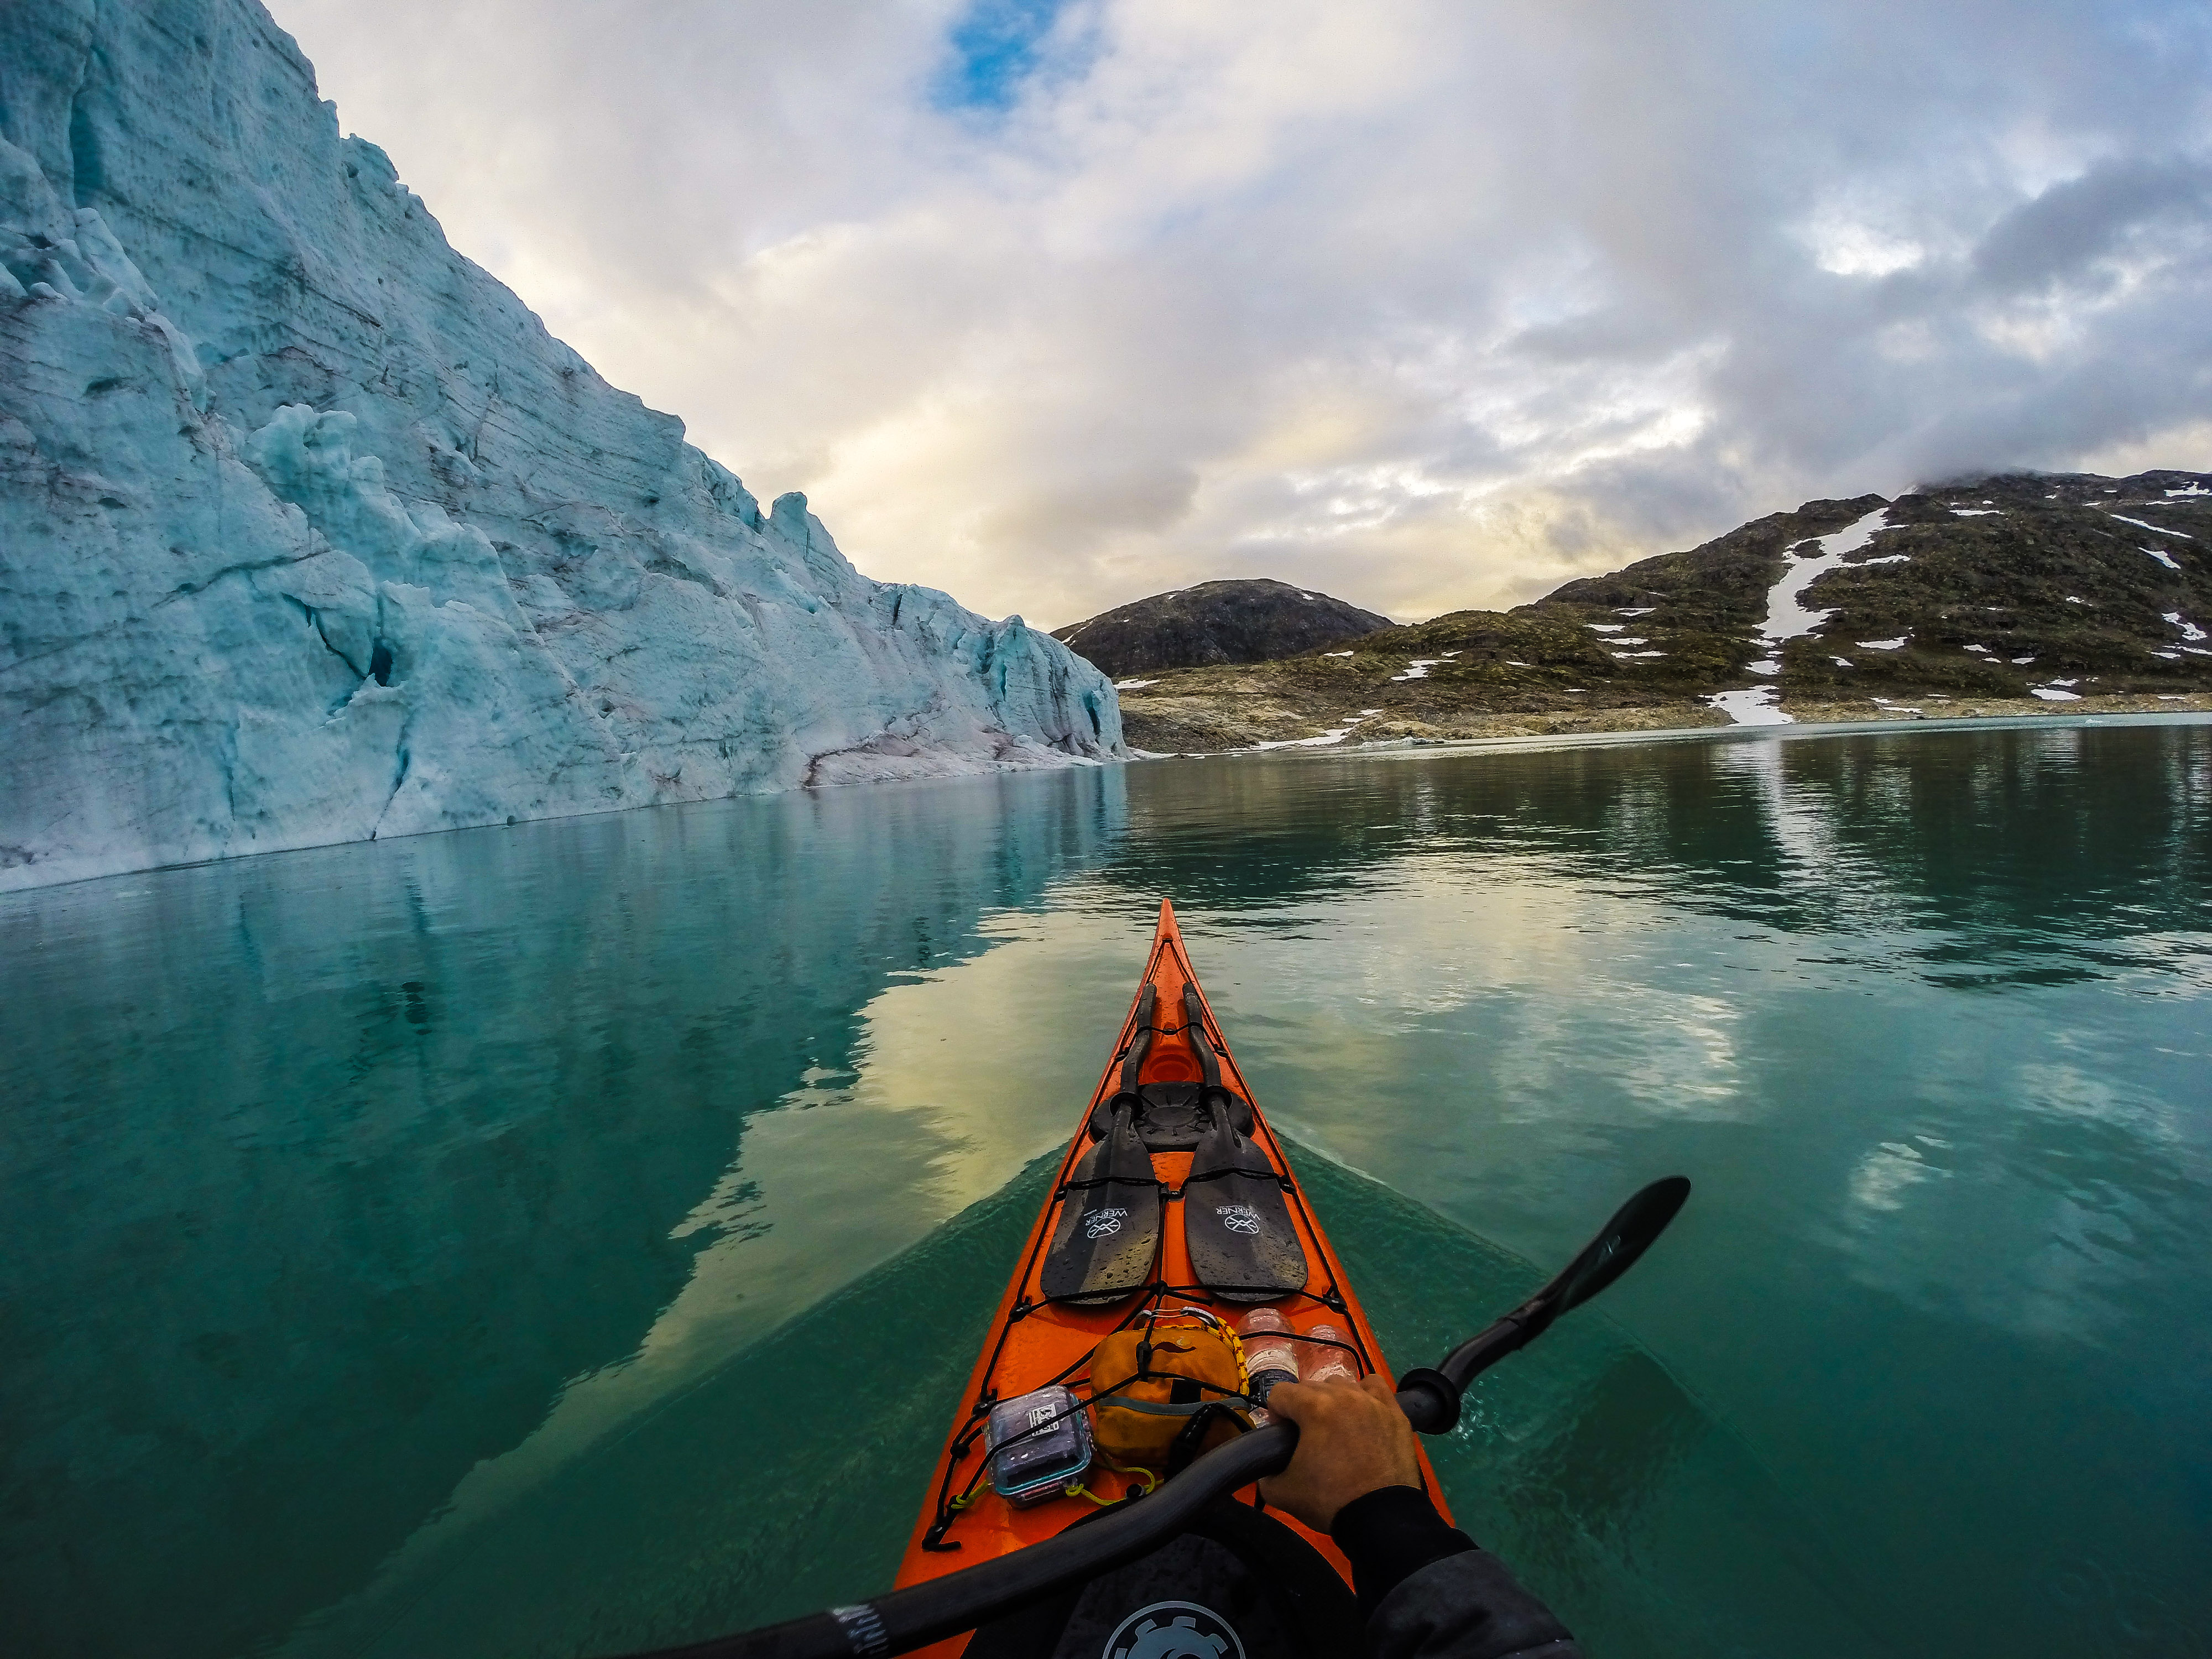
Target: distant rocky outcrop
x=1225 y=621
x=2001 y=594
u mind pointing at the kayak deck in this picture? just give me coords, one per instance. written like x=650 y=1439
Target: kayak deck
x=1036 y=1340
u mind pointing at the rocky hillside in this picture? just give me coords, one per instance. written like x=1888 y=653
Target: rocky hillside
x=1227 y=621
x=2009 y=594
x=310 y=532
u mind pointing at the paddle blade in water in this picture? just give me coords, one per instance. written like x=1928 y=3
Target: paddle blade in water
x=1631 y=1232
x=1604 y=1259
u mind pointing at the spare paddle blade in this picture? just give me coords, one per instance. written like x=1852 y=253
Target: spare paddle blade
x=1634 y=1227
x=1109 y=1233
x=1243 y=1244
x=1140 y=1040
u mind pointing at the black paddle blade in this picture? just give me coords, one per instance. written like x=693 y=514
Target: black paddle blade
x=1140 y=1040
x=1109 y=1223
x=1634 y=1227
x=1243 y=1246
x=1604 y=1259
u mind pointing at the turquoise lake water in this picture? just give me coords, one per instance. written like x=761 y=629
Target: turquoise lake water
x=571 y=1237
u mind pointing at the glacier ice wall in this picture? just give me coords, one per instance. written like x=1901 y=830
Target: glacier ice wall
x=310 y=532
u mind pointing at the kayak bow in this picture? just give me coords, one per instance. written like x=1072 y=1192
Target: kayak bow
x=1204 y=1184
x=1173 y=1094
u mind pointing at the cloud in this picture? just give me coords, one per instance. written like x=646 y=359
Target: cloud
x=1054 y=303
x=2118 y=206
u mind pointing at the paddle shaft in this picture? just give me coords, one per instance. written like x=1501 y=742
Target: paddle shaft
x=903 y=1619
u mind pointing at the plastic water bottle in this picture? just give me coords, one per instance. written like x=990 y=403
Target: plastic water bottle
x=1270 y=1357
x=1327 y=1364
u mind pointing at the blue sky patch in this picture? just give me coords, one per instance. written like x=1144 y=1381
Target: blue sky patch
x=994 y=50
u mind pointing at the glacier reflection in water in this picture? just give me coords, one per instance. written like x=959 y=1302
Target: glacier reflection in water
x=542 y=1240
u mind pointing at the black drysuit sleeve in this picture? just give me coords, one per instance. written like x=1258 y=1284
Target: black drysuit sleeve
x=1427 y=1592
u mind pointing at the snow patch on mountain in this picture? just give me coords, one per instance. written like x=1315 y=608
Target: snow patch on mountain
x=310 y=532
x=2161 y=530
x=1788 y=617
x=1760 y=705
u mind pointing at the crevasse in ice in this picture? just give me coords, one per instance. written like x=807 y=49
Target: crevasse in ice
x=309 y=532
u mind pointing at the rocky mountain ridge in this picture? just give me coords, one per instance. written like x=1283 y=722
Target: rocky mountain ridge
x=1252 y=620
x=2018 y=592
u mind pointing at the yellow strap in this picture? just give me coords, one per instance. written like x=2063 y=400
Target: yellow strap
x=1145 y=1475
x=1077 y=1489
x=1073 y=1488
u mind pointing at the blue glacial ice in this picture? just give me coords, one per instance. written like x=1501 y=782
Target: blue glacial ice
x=310 y=532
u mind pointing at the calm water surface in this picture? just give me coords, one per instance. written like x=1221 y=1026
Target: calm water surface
x=572 y=1237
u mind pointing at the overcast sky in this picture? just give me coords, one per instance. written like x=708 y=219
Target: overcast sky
x=1429 y=306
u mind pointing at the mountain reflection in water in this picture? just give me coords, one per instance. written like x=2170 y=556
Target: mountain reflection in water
x=541 y=1240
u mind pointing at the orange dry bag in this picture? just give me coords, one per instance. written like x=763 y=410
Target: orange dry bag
x=1148 y=1382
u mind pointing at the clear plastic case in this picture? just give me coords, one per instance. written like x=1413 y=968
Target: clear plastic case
x=1036 y=1444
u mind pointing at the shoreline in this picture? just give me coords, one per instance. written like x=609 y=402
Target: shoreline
x=1568 y=733
x=2107 y=711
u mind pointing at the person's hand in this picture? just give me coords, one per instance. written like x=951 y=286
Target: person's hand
x=1353 y=1440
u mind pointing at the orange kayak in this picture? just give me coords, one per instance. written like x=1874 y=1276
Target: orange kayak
x=1173 y=1194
